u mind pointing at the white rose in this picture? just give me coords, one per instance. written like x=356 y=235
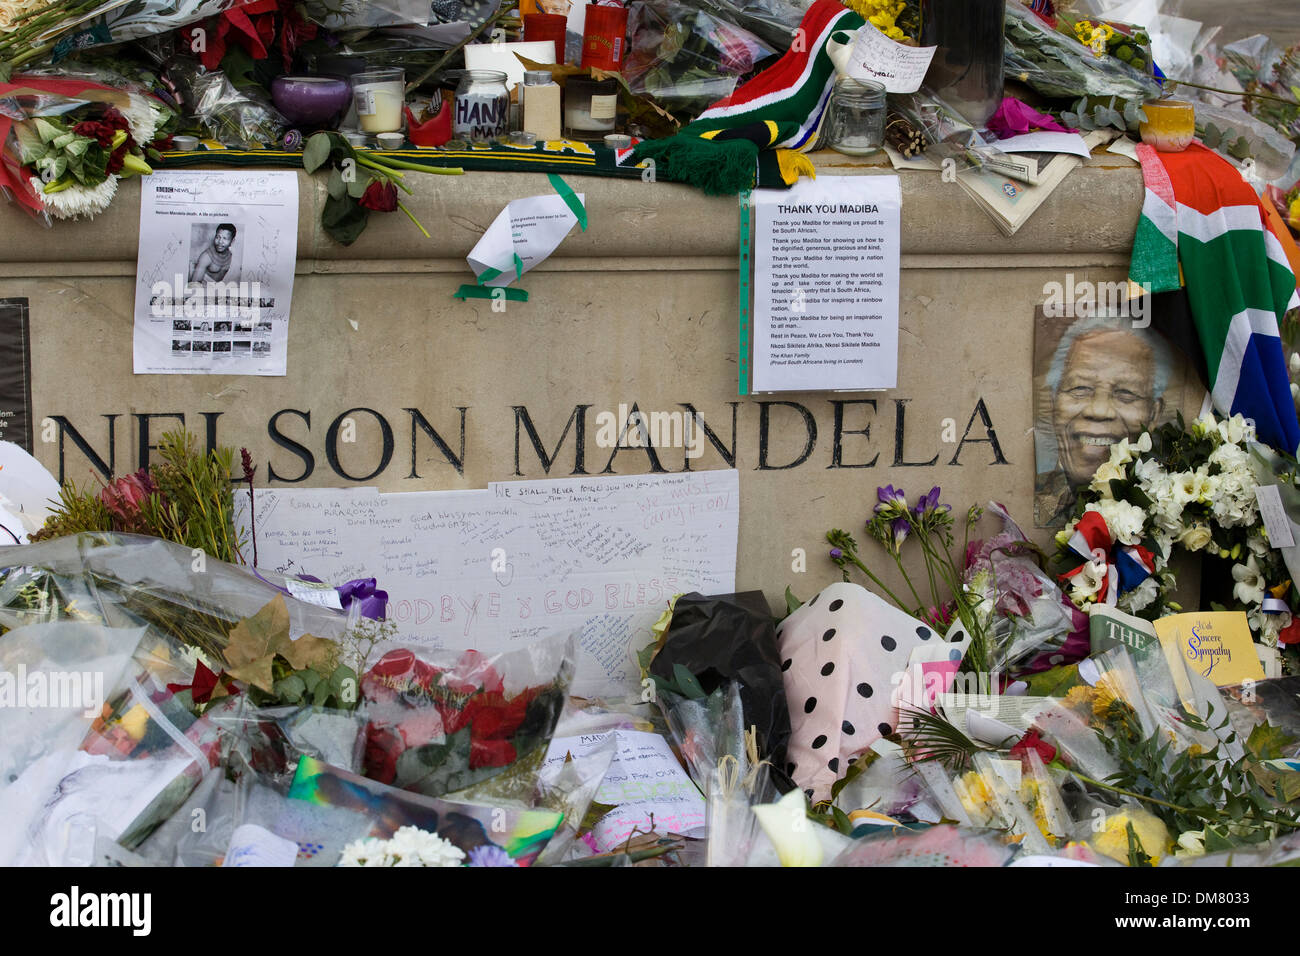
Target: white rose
x=1107 y=472
x=1195 y=538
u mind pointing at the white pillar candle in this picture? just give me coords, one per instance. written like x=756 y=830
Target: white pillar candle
x=379 y=106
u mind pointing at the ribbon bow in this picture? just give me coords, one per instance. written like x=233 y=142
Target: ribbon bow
x=373 y=601
x=1122 y=567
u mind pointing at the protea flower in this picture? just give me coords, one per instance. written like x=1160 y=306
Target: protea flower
x=125 y=496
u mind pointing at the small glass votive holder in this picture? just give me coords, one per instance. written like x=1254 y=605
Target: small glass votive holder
x=855 y=117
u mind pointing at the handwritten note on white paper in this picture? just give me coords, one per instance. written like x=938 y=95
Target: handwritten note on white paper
x=251 y=845
x=1273 y=512
x=899 y=68
x=498 y=568
x=643 y=779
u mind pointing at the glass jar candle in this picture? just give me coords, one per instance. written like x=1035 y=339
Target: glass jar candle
x=855 y=117
x=1170 y=125
x=482 y=106
x=590 y=108
x=379 y=96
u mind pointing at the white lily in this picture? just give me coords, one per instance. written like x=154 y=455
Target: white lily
x=787 y=825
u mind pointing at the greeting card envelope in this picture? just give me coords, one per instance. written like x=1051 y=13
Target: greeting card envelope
x=1215 y=644
x=523 y=834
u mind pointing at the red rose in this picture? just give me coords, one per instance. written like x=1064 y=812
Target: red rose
x=424 y=726
x=380 y=195
x=1032 y=741
x=472 y=671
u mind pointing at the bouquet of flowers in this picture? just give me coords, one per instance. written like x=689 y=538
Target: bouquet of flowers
x=1101 y=770
x=66 y=143
x=185 y=498
x=435 y=729
x=1176 y=487
x=1012 y=611
x=32 y=29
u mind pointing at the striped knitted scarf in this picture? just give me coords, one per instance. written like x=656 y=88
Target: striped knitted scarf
x=1204 y=237
x=779 y=110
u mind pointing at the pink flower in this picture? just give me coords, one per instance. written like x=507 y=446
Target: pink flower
x=125 y=496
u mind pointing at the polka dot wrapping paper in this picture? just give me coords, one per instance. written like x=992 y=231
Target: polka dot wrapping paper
x=842 y=653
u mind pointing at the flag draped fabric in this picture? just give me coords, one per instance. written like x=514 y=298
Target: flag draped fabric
x=1204 y=234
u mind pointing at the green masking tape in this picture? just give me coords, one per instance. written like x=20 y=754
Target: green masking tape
x=570 y=198
x=490 y=292
x=745 y=267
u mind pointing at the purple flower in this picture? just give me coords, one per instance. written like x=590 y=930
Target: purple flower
x=901 y=528
x=489 y=854
x=836 y=554
x=929 y=502
x=892 y=501
x=889 y=495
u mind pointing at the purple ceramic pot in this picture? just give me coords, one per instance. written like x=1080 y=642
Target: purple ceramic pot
x=310 y=100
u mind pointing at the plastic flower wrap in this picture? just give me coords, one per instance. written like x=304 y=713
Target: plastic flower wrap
x=685 y=57
x=439 y=727
x=1030 y=624
x=68 y=141
x=1057 y=65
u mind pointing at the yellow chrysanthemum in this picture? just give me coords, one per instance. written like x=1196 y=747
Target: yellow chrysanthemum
x=1080 y=698
x=882 y=14
x=1106 y=695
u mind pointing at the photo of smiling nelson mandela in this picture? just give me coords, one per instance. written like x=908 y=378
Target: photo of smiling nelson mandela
x=1099 y=379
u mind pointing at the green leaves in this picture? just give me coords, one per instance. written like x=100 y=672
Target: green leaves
x=1137 y=855
x=687 y=683
x=317 y=153
x=931 y=738
x=343 y=220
